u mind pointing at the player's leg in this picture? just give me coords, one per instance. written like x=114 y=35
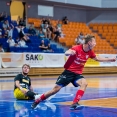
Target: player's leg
x=63 y=80
x=83 y=84
x=18 y=94
x=46 y=95
x=32 y=95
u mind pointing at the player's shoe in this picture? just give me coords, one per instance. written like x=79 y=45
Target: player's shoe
x=75 y=106
x=37 y=96
x=34 y=105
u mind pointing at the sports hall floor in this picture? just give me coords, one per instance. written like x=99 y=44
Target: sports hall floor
x=100 y=99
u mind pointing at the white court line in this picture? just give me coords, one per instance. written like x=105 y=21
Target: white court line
x=6 y=111
x=58 y=103
x=11 y=111
x=99 y=106
x=15 y=101
x=99 y=98
x=68 y=95
x=56 y=97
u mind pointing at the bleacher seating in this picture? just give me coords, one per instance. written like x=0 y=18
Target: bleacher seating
x=33 y=46
x=37 y=22
x=108 y=31
x=71 y=31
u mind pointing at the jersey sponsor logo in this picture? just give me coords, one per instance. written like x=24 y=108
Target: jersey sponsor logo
x=79 y=59
x=22 y=84
x=77 y=62
x=79 y=55
x=25 y=81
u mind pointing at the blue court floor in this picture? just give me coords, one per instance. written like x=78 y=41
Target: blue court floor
x=100 y=100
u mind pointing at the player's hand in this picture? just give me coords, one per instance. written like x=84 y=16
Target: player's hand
x=73 y=52
x=113 y=59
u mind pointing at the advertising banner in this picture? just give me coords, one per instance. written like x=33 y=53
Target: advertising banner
x=46 y=60
x=11 y=59
x=54 y=60
x=108 y=63
x=35 y=59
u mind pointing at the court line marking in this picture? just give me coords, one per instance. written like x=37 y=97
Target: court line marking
x=69 y=94
x=98 y=98
x=59 y=103
x=34 y=79
x=49 y=101
x=99 y=106
x=25 y=101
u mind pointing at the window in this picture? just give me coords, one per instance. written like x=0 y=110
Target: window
x=45 y=10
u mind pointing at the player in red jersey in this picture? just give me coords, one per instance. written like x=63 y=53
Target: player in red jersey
x=78 y=55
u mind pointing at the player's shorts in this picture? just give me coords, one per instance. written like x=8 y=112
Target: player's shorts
x=19 y=95
x=68 y=77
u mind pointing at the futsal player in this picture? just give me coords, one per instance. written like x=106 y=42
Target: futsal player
x=78 y=55
x=22 y=85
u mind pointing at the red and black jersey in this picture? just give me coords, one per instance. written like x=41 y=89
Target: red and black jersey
x=76 y=62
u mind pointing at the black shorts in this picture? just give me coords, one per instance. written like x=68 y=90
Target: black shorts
x=68 y=77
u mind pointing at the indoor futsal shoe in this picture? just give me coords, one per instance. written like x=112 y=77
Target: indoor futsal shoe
x=34 y=105
x=75 y=106
x=37 y=96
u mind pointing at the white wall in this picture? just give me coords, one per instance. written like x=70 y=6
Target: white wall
x=93 y=3
x=109 y=3
x=102 y=16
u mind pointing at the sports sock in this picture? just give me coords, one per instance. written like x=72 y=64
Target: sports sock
x=78 y=96
x=42 y=97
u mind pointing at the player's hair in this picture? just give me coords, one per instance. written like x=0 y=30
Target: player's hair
x=88 y=38
x=26 y=65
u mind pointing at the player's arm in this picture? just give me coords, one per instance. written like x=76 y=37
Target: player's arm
x=17 y=84
x=101 y=59
x=17 y=81
x=31 y=88
x=70 y=52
